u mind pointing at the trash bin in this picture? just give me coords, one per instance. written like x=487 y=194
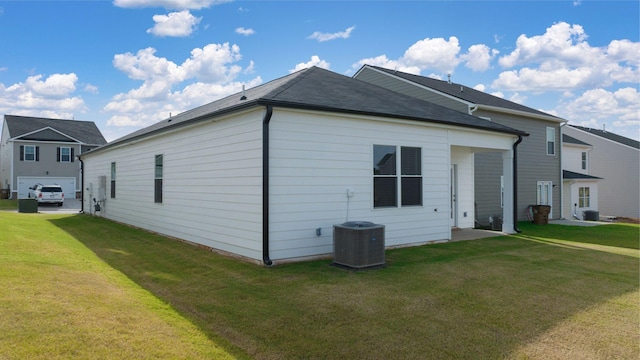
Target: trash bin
x=27 y=205
x=358 y=244
x=591 y=215
x=4 y=193
x=541 y=214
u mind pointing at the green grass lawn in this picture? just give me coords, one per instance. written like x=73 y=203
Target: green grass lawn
x=8 y=204
x=86 y=287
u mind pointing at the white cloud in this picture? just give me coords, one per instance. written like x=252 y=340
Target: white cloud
x=315 y=61
x=437 y=54
x=56 y=85
x=207 y=75
x=321 y=37
x=169 y=4
x=434 y=54
x=91 y=89
x=478 y=57
x=175 y=24
x=50 y=97
x=562 y=59
x=245 y=32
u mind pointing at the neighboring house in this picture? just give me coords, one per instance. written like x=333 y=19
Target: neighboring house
x=579 y=187
x=265 y=174
x=538 y=156
x=40 y=150
x=616 y=159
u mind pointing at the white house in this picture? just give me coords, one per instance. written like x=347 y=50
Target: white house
x=580 y=188
x=616 y=159
x=265 y=174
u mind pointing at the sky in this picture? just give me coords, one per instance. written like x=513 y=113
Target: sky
x=126 y=64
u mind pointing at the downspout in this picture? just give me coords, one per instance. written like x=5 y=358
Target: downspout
x=81 y=185
x=515 y=184
x=561 y=174
x=265 y=186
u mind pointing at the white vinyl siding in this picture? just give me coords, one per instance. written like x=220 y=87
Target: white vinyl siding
x=315 y=159
x=213 y=199
x=618 y=165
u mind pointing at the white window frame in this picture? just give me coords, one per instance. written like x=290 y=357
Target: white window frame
x=584 y=197
x=584 y=158
x=62 y=155
x=399 y=176
x=32 y=154
x=551 y=141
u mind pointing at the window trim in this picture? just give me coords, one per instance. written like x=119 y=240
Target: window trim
x=400 y=177
x=584 y=197
x=34 y=154
x=113 y=180
x=158 y=179
x=551 y=141
x=584 y=158
x=60 y=154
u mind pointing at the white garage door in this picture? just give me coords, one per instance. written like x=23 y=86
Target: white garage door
x=68 y=185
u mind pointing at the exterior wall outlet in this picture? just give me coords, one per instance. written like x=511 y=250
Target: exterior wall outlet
x=350 y=193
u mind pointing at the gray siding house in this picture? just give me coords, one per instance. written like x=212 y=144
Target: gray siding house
x=539 y=176
x=41 y=150
x=265 y=174
x=616 y=159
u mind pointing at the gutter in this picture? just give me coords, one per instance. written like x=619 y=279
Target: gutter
x=265 y=186
x=515 y=184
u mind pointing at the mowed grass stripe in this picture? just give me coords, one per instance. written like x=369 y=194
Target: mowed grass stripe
x=58 y=300
x=532 y=295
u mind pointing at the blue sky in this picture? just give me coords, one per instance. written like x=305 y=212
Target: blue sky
x=126 y=64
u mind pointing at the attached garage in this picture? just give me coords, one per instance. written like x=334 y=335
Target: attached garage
x=68 y=185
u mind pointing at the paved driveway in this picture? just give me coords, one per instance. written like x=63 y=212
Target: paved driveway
x=70 y=206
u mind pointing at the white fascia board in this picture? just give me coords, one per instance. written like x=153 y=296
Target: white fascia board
x=46 y=128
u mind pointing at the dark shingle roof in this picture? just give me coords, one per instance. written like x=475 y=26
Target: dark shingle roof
x=569 y=139
x=610 y=136
x=319 y=89
x=463 y=92
x=84 y=131
x=566 y=174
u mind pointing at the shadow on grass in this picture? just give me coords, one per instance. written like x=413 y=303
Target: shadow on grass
x=470 y=299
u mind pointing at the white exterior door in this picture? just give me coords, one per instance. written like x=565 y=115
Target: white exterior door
x=545 y=194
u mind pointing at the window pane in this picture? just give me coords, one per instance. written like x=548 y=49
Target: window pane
x=30 y=153
x=411 y=191
x=411 y=161
x=384 y=192
x=384 y=160
x=113 y=171
x=551 y=141
x=157 y=192
x=158 y=166
x=65 y=154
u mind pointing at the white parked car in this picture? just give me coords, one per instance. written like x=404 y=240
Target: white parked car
x=47 y=194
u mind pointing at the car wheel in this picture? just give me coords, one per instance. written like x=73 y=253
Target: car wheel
x=59 y=204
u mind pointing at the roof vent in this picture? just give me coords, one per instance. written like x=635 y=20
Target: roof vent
x=243 y=97
x=449 y=78
x=461 y=88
